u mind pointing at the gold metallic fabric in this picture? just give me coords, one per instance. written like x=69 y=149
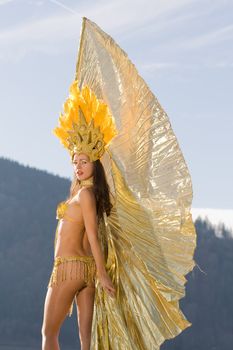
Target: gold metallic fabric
x=149 y=238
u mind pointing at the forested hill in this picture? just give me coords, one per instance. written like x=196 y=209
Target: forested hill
x=208 y=303
x=28 y=199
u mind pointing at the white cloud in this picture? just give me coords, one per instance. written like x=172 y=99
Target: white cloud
x=214 y=37
x=4 y=2
x=42 y=34
x=158 y=66
x=56 y=33
x=216 y=217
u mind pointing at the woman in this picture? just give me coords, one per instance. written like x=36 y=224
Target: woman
x=78 y=254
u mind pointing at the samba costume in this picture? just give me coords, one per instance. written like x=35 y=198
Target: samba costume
x=73 y=267
x=149 y=238
x=86 y=127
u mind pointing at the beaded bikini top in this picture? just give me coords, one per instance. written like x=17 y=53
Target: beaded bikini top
x=61 y=209
x=61 y=212
x=62 y=206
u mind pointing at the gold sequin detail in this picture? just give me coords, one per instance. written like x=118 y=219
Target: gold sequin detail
x=61 y=208
x=84 y=268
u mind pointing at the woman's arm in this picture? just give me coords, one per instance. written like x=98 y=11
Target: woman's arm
x=88 y=206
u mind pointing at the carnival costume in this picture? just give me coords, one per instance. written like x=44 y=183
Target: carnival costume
x=149 y=239
x=71 y=267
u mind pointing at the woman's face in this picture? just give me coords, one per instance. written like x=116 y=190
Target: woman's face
x=83 y=167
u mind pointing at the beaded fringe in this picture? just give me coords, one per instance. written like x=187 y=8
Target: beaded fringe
x=82 y=267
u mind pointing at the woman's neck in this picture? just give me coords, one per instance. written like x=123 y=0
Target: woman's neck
x=87 y=182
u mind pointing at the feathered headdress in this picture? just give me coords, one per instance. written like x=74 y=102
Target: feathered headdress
x=87 y=125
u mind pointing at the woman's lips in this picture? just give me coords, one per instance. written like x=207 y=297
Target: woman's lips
x=79 y=172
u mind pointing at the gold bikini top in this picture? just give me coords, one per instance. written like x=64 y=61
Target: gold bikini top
x=61 y=212
x=62 y=206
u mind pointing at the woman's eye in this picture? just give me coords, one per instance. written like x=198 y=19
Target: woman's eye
x=82 y=162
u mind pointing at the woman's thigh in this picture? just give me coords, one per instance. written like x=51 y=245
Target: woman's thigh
x=57 y=303
x=85 y=305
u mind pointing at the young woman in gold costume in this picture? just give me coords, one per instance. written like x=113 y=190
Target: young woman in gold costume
x=78 y=256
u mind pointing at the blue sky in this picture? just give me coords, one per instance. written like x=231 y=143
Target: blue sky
x=182 y=48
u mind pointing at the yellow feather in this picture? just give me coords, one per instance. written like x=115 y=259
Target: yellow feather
x=92 y=109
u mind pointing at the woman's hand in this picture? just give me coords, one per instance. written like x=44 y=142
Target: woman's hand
x=107 y=284
x=88 y=205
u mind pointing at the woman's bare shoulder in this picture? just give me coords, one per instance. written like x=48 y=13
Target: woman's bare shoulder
x=85 y=193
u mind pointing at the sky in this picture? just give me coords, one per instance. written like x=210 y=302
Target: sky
x=182 y=48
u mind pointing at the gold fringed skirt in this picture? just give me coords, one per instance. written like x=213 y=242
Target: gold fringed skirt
x=73 y=267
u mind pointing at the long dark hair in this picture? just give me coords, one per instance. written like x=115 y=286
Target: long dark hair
x=100 y=188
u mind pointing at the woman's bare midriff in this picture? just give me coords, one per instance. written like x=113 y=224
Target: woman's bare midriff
x=71 y=236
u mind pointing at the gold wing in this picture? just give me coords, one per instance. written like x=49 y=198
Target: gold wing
x=149 y=239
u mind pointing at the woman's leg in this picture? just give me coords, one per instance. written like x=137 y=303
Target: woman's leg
x=85 y=305
x=57 y=303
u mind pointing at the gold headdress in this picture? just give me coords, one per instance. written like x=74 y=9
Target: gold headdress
x=87 y=125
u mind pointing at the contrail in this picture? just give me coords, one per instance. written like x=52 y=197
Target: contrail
x=64 y=7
